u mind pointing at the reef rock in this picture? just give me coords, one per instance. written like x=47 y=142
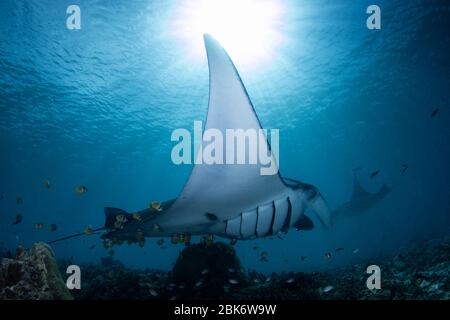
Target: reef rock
x=32 y=275
x=208 y=270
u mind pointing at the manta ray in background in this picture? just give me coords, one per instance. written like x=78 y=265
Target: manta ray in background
x=360 y=202
x=232 y=201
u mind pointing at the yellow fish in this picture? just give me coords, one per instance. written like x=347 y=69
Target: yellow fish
x=52 y=227
x=155 y=205
x=81 y=189
x=88 y=230
x=38 y=226
x=46 y=184
x=19 y=200
x=175 y=239
x=137 y=216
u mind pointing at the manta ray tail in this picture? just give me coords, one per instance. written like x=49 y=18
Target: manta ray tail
x=110 y=219
x=94 y=231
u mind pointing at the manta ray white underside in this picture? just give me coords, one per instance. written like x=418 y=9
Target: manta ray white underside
x=229 y=200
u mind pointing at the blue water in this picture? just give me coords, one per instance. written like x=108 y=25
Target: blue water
x=97 y=106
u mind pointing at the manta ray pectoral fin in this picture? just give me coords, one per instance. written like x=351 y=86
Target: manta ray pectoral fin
x=316 y=202
x=224 y=190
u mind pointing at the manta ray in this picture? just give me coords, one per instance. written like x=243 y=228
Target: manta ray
x=231 y=201
x=361 y=201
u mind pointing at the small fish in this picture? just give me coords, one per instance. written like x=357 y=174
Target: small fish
x=46 y=184
x=303 y=258
x=19 y=200
x=107 y=243
x=211 y=216
x=39 y=226
x=328 y=255
x=290 y=280
x=256 y=280
x=160 y=242
x=373 y=175
x=81 y=189
x=137 y=216
x=327 y=289
x=233 y=281
x=279 y=237
x=92 y=247
x=155 y=205
x=231 y=270
x=185 y=238
x=1 y=197
x=285 y=260
x=120 y=221
x=210 y=238
x=404 y=168
x=181 y=286
x=88 y=230
x=255 y=248
x=233 y=241
x=264 y=254
x=153 y=292
x=355 y=250
x=175 y=239
x=434 y=112
x=339 y=249
x=173 y=298
x=156 y=228
x=199 y=283
x=205 y=271
x=52 y=227
x=18 y=220
x=268 y=279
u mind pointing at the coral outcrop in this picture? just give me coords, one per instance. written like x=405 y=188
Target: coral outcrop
x=32 y=275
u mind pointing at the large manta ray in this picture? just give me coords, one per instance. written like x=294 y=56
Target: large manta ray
x=360 y=202
x=233 y=201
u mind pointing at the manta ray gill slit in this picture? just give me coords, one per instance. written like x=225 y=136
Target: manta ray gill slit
x=250 y=30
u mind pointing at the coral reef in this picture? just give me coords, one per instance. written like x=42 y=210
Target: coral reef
x=203 y=272
x=32 y=275
x=212 y=271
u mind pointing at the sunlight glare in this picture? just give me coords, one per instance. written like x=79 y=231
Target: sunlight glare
x=250 y=30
